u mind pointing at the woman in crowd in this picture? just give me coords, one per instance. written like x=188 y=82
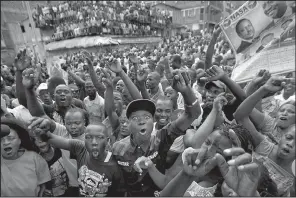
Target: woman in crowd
x=277 y=156
x=274 y=128
x=23 y=171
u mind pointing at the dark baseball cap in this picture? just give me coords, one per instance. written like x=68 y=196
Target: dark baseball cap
x=140 y=104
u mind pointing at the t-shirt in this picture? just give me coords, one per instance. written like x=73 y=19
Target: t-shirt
x=22 y=177
x=96 y=178
x=268 y=128
x=59 y=178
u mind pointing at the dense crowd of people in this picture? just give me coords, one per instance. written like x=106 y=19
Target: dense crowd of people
x=72 y=19
x=146 y=121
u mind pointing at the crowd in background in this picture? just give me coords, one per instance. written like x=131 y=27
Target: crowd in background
x=72 y=19
x=162 y=120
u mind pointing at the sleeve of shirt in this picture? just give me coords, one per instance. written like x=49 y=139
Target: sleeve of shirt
x=267 y=125
x=60 y=130
x=77 y=149
x=264 y=148
x=42 y=171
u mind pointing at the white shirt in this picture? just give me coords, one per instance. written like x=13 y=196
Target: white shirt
x=279 y=98
x=95 y=109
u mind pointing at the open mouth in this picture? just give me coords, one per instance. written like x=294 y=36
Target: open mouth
x=283 y=118
x=63 y=99
x=8 y=150
x=286 y=151
x=143 y=131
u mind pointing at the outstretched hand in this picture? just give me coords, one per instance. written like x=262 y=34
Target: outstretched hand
x=240 y=173
x=181 y=81
x=30 y=78
x=22 y=60
x=115 y=65
x=215 y=73
x=142 y=76
x=196 y=163
x=106 y=78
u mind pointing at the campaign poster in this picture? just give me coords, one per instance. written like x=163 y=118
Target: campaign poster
x=255 y=25
x=262 y=36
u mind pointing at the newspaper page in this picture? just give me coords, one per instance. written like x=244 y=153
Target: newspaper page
x=262 y=35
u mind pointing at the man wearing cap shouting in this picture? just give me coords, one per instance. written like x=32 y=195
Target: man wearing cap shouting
x=130 y=150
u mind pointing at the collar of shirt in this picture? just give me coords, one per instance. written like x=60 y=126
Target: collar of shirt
x=134 y=146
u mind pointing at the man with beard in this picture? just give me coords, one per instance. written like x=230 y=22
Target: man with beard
x=128 y=150
x=98 y=172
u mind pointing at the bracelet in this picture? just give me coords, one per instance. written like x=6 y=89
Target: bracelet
x=192 y=103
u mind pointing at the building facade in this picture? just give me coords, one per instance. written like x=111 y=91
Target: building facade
x=197 y=15
x=17 y=31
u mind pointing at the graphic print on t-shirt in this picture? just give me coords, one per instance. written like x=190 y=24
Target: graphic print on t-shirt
x=91 y=183
x=59 y=179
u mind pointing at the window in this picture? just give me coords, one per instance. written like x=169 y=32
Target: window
x=183 y=13
x=23 y=29
x=191 y=13
x=201 y=14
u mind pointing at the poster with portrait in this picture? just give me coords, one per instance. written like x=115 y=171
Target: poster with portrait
x=255 y=32
x=256 y=24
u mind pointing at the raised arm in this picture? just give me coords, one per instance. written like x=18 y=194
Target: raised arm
x=274 y=84
x=181 y=83
x=141 y=78
x=29 y=80
x=109 y=101
x=21 y=62
x=260 y=79
x=79 y=81
x=196 y=139
x=94 y=78
x=217 y=73
x=115 y=66
x=210 y=50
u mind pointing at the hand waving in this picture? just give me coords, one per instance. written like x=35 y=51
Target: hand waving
x=240 y=173
x=215 y=73
x=142 y=76
x=115 y=65
x=195 y=162
x=106 y=78
x=181 y=81
x=22 y=60
x=30 y=78
x=88 y=57
x=134 y=59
